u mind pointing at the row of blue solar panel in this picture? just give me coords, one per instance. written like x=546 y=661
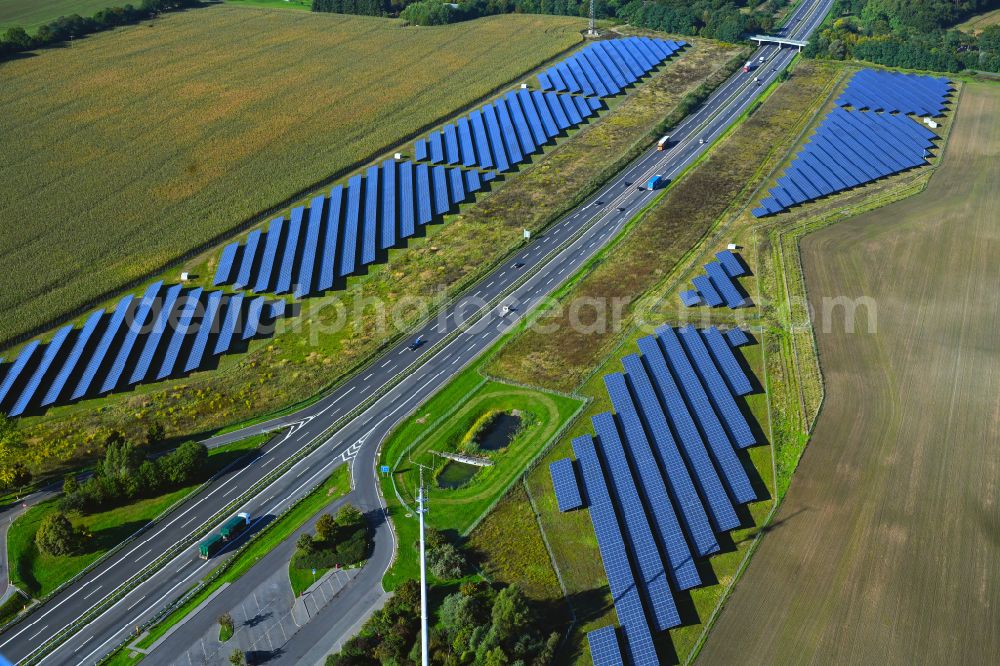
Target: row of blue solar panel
x=718 y=286
x=164 y=333
x=345 y=230
x=668 y=456
x=849 y=148
x=502 y=134
x=893 y=92
x=565 y=484
x=605 y=68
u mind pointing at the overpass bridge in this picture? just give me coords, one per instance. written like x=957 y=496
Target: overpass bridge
x=780 y=41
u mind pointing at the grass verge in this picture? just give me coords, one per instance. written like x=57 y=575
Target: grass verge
x=39 y=574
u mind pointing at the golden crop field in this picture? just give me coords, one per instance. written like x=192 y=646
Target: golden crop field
x=135 y=146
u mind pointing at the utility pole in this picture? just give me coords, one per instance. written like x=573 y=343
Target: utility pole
x=593 y=29
x=421 y=510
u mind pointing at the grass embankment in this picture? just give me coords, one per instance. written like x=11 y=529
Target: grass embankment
x=336 y=485
x=978 y=23
x=439 y=425
x=181 y=130
x=644 y=270
x=301 y=360
x=301 y=579
x=38 y=573
x=901 y=478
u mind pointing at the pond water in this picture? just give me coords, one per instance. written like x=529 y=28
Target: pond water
x=500 y=432
x=455 y=474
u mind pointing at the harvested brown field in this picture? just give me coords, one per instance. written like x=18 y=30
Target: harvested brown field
x=136 y=146
x=887 y=547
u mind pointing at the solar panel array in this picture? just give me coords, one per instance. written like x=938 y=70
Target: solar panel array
x=719 y=286
x=896 y=92
x=338 y=235
x=167 y=332
x=662 y=477
x=565 y=485
x=737 y=337
x=503 y=133
x=852 y=148
x=605 y=68
x=604 y=648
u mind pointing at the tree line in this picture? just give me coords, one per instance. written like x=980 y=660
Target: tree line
x=66 y=28
x=728 y=20
x=343 y=540
x=915 y=34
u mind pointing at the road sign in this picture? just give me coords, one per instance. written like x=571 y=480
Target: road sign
x=527 y=234
x=385 y=469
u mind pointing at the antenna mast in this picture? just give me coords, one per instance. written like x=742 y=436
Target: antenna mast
x=593 y=30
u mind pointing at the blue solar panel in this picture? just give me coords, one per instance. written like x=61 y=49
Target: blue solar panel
x=731 y=263
x=101 y=350
x=440 y=180
x=205 y=329
x=264 y=273
x=627 y=58
x=570 y=84
x=690 y=298
x=456 y=186
x=718 y=441
x=726 y=360
x=558 y=113
x=370 y=226
x=624 y=592
x=155 y=334
x=254 y=313
x=664 y=523
x=332 y=231
x=79 y=345
x=721 y=280
x=895 y=91
x=451 y=151
x=352 y=215
x=707 y=291
x=682 y=488
x=187 y=312
x=388 y=219
x=565 y=485
x=604 y=650
x=134 y=325
x=247 y=261
x=223 y=274
x=17 y=368
x=523 y=99
x=52 y=351
x=544 y=114
x=507 y=133
x=603 y=79
x=706 y=477
x=465 y=142
x=570 y=109
x=423 y=189
x=420 y=150
x=277 y=309
x=580 y=76
x=737 y=337
x=230 y=320
x=483 y=157
x=286 y=269
x=436 y=142
x=310 y=248
x=638 y=534
x=406 y=228
x=718 y=392
x=472 y=182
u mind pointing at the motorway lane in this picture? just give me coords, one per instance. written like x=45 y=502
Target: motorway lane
x=593 y=224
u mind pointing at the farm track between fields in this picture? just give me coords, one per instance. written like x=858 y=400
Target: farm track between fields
x=886 y=548
x=138 y=146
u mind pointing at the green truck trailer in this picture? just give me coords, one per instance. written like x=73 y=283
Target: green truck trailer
x=231 y=529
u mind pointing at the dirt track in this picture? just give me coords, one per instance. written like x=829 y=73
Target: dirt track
x=887 y=548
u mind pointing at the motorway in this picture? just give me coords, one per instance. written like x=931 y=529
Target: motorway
x=334 y=431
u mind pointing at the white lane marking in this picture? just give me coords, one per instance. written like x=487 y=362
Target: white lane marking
x=231 y=490
x=370 y=375
x=267 y=463
x=92 y=592
x=457 y=359
x=35 y=635
x=388 y=361
x=148 y=551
